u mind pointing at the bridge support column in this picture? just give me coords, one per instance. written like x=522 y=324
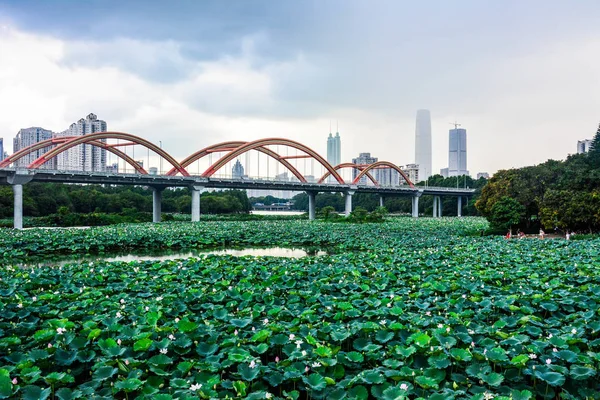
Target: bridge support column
x=439 y=203
x=348 y=196
x=18 y=206
x=435 y=206
x=459 y=211
x=196 y=192
x=156 y=203
x=415 y=206
x=17 y=180
x=311 y=205
x=380 y=200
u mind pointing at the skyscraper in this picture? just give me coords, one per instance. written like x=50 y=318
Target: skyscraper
x=457 y=154
x=334 y=149
x=83 y=157
x=27 y=137
x=1 y=149
x=423 y=144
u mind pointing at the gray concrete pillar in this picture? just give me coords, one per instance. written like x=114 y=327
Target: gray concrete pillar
x=380 y=200
x=195 y=204
x=18 y=206
x=439 y=202
x=348 y=209
x=156 y=204
x=311 y=205
x=435 y=206
x=459 y=211
x=415 y=206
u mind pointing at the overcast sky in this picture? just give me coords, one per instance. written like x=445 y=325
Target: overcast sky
x=522 y=77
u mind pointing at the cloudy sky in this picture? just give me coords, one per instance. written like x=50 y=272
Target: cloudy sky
x=522 y=77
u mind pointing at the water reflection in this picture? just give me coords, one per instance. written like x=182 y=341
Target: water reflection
x=173 y=255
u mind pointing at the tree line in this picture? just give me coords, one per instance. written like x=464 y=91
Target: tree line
x=43 y=199
x=561 y=195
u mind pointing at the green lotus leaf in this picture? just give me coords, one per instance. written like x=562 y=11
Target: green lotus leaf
x=247 y=372
x=207 y=349
x=355 y=357
x=142 y=344
x=35 y=393
x=579 y=372
x=521 y=395
x=105 y=372
x=129 y=385
x=315 y=382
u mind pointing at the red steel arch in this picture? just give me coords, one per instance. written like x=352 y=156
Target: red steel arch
x=266 y=142
x=359 y=167
x=380 y=164
x=77 y=140
x=50 y=142
x=229 y=146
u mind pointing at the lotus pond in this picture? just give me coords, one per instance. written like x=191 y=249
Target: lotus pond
x=402 y=310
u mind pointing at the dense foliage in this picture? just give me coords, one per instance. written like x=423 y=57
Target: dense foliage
x=555 y=194
x=425 y=312
x=44 y=199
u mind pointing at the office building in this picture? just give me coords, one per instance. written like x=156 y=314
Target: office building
x=423 y=144
x=83 y=157
x=237 y=172
x=584 y=146
x=483 y=175
x=457 y=153
x=30 y=136
x=334 y=149
x=1 y=149
x=363 y=159
x=153 y=171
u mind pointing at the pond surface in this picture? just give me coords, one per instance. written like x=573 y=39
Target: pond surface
x=175 y=254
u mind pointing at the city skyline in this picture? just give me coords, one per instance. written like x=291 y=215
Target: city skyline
x=231 y=75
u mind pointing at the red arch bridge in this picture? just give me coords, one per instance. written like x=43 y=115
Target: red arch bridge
x=38 y=163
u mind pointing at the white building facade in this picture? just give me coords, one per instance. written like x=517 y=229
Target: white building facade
x=30 y=136
x=83 y=157
x=584 y=146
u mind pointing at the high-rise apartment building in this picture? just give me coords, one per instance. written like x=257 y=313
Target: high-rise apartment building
x=457 y=153
x=583 y=146
x=363 y=159
x=27 y=137
x=83 y=157
x=237 y=172
x=412 y=171
x=423 y=144
x=1 y=149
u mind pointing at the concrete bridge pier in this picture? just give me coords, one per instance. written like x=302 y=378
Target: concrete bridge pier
x=196 y=192
x=380 y=200
x=437 y=206
x=17 y=180
x=459 y=211
x=348 y=196
x=156 y=203
x=415 y=206
x=311 y=205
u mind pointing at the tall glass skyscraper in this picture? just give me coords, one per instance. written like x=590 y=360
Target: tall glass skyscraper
x=457 y=155
x=423 y=144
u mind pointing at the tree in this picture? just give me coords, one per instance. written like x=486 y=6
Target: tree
x=505 y=213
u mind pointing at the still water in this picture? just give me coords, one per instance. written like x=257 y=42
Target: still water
x=176 y=254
